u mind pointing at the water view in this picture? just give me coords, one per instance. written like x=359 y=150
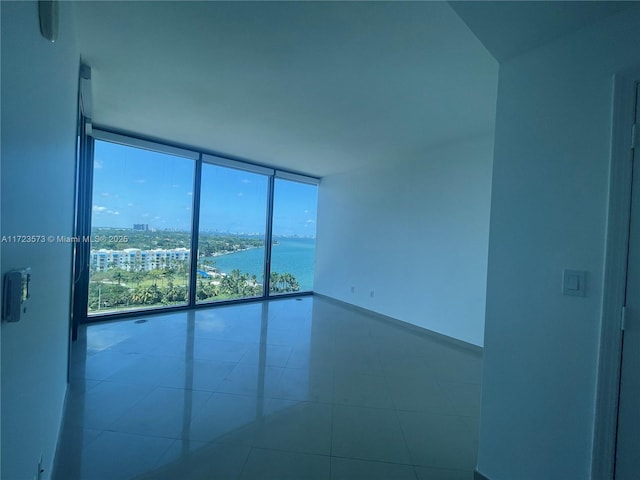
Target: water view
x=141 y=231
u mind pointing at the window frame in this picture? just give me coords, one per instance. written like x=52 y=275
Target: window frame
x=200 y=157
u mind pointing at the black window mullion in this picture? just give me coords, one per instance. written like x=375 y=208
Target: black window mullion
x=268 y=238
x=84 y=218
x=195 y=230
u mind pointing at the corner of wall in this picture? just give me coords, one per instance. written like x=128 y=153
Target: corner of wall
x=38 y=129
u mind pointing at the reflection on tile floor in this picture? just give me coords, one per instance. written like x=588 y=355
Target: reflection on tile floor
x=299 y=388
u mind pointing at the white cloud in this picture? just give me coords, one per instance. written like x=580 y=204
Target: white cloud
x=189 y=193
x=97 y=163
x=141 y=180
x=157 y=217
x=240 y=194
x=145 y=214
x=97 y=209
x=245 y=180
x=104 y=194
x=129 y=204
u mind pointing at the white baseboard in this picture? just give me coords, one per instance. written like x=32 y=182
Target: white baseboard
x=445 y=339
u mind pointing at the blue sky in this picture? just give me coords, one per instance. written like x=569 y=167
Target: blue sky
x=139 y=186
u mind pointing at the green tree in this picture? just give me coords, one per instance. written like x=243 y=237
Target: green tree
x=118 y=275
x=206 y=290
x=274 y=278
x=150 y=295
x=283 y=283
x=174 y=294
x=155 y=275
x=137 y=276
x=168 y=274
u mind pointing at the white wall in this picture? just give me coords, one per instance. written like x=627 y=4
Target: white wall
x=548 y=212
x=39 y=89
x=416 y=234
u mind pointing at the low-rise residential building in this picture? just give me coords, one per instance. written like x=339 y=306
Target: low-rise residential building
x=136 y=259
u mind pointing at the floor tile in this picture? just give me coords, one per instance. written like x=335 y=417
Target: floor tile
x=425 y=473
x=251 y=380
x=69 y=454
x=219 y=350
x=147 y=370
x=462 y=368
x=268 y=354
x=199 y=461
x=116 y=455
x=305 y=384
x=265 y=464
x=280 y=389
x=295 y=426
x=228 y=418
x=443 y=441
x=464 y=398
x=369 y=434
x=361 y=389
x=419 y=394
x=100 y=407
x=195 y=374
x=350 y=469
x=165 y=412
x=100 y=365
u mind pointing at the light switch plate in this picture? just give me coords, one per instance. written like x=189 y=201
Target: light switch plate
x=574 y=282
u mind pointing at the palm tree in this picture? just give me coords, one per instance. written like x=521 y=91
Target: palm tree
x=118 y=276
x=155 y=275
x=183 y=269
x=137 y=276
x=139 y=295
x=283 y=282
x=169 y=274
x=274 y=278
x=173 y=294
x=291 y=283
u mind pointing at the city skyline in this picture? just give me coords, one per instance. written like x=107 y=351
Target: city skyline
x=208 y=232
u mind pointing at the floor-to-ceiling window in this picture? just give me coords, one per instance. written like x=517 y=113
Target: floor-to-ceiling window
x=294 y=235
x=140 y=228
x=232 y=232
x=176 y=227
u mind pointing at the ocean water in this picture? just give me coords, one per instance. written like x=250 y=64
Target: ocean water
x=290 y=255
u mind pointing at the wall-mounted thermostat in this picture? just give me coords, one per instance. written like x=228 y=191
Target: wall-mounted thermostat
x=15 y=293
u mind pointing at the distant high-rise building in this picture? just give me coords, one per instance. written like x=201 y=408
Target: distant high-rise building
x=141 y=226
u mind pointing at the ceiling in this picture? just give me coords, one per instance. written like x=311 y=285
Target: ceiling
x=525 y=25
x=315 y=88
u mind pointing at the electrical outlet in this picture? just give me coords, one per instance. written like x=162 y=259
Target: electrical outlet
x=40 y=470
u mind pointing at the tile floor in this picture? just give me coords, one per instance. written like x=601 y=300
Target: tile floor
x=299 y=388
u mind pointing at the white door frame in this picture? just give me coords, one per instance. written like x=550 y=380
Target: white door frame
x=615 y=275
